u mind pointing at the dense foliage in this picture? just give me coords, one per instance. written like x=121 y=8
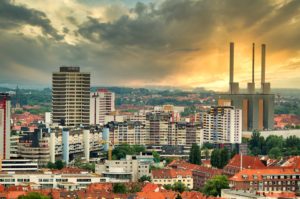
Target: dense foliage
x=59 y=164
x=34 y=195
x=145 y=178
x=195 y=154
x=177 y=186
x=214 y=186
x=120 y=188
x=274 y=146
x=121 y=151
x=220 y=157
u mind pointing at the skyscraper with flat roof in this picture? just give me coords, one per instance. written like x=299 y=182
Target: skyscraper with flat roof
x=70 y=97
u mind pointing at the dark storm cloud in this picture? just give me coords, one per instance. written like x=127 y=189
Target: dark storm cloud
x=177 y=23
x=150 y=44
x=13 y=16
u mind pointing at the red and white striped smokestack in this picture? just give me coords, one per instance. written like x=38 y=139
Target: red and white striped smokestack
x=231 y=62
x=263 y=63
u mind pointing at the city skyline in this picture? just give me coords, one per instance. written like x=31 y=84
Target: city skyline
x=149 y=43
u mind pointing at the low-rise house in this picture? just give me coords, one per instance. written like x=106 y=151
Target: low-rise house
x=200 y=174
x=171 y=176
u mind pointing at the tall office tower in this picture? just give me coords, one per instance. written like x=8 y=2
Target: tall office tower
x=102 y=104
x=71 y=97
x=222 y=125
x=5 y=105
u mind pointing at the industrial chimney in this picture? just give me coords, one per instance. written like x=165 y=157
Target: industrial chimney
x=251 y=85
x=233 y=86
x=263 y=63
x=265 y=86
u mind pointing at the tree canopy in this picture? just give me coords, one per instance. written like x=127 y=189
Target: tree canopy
x=125 y=149
x=195 y=154
x=220 y=157
x=214 y=186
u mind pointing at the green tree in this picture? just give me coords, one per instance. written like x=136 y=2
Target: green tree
x=215 y=158
x=135 y=188
x=51 y=165
x=207 y=145
x=195 y=154
x=167 y=186
x=156 y=156
x=274 y=141
x=121 y=151
x=120 y=188
x=224 y=158
x=219 y=158
x=179 y=186
x=59 y=164
x=145 y=178
x=34 y=195
x=206 y=154
x=214 y=186
x=275 y=153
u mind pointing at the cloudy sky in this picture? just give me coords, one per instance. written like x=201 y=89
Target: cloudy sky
x=149 y=42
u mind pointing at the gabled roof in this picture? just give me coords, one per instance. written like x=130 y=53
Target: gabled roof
x=171 y=173
x=293 y=162
x=248 y=162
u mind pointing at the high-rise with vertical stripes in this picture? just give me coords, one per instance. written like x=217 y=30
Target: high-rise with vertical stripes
x=71 y=97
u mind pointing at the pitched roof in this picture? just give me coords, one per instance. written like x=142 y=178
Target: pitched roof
x=171 y=173
x=151 y=187
x=293 y=162
x=195 y=195
x=257 y=174
x=248 y=162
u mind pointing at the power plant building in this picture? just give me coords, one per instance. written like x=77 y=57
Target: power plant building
x=257 y=107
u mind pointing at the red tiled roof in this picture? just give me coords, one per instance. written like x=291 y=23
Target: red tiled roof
x=171 y=173
x=293 y=162
x=250 y=174
x=248 y=162
x=156 y=195
x=280 y=194
x=181 y=164
x=195 y=195
x=149 y=187
x=100 y=187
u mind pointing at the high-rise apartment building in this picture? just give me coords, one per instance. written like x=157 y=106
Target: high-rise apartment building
x=222 y=125
x=71 y=97
x=102 y=104
x=5 y=105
